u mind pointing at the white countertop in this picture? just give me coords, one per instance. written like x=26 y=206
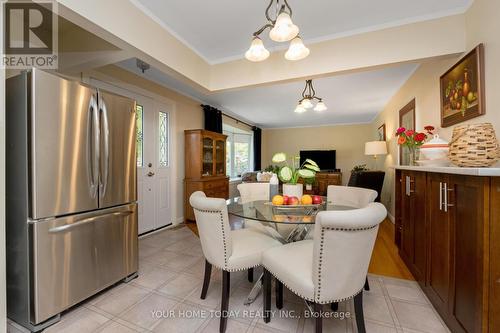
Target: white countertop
x=487 y=172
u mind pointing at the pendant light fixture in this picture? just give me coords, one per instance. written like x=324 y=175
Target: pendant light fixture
x=308 y=99
x=282 y=29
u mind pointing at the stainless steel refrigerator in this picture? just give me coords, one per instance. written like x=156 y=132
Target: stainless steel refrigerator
x=71 y=194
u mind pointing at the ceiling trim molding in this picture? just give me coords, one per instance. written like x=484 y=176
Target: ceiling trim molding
x=170 y=30
x=343 y=34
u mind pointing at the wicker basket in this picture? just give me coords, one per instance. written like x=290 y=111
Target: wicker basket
x=474 y=146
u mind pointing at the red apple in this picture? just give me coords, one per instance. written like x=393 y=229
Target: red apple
x=286 y=198
x=293 y=201
x=317 y=199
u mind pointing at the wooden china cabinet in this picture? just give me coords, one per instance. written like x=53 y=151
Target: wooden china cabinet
x=448 y=231
x=205 y=166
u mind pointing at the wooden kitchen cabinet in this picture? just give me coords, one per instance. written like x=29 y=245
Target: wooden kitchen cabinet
x=438 y=281
x=413 y=249
x=458 y=277
x=494 y=306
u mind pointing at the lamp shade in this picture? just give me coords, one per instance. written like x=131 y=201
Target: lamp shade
x=284 y=29
x=376 y=148
x=257 y=51
x=297 y=50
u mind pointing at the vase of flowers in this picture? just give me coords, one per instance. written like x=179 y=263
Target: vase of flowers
x=411 y=140
x=290 y=171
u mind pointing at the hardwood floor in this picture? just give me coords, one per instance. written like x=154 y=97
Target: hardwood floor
x=385 y=258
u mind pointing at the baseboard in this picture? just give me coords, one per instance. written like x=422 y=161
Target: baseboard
x=179 y=220
x=391 y=217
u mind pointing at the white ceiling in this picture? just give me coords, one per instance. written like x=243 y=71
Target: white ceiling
x=220 y=30
x=351 y=98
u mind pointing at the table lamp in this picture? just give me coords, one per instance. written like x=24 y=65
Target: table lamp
x=376 y=148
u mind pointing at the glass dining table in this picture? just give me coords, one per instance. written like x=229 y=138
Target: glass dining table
x=284 y=223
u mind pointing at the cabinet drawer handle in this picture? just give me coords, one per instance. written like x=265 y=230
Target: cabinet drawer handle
x=440 y=195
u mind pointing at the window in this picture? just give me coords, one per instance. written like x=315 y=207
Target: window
x=239 y=151
x=140 y=135
x=163 y=139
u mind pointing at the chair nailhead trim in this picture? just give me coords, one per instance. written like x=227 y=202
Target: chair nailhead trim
x=224 y=242
x=321 y=246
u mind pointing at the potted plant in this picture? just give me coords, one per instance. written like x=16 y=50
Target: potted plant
x=412 y=140
x=289 y=173
x=309 y=182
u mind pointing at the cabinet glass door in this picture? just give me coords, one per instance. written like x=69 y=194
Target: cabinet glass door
x=220 y=153
x=208 y=156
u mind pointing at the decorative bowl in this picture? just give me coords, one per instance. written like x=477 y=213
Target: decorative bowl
x=435 y=149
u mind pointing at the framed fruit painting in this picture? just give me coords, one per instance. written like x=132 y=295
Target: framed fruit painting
x=462 y=89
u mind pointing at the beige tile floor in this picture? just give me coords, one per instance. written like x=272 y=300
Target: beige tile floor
x=166 y=298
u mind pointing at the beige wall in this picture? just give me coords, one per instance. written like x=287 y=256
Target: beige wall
x=347 y=140
x=187 y=114
x=482 y=26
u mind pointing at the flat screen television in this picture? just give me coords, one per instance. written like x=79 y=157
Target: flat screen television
x=326 y=159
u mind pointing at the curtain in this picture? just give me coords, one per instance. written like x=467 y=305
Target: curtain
x=257 y=148
x=213 y=119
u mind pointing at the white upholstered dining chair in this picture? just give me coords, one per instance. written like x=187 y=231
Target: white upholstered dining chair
x=350 y=196
x=224 y=248
x=330 y=268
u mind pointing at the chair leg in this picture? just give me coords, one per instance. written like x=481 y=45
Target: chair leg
x=206 y=279
x=225 y=301
x=367 y=285
x=318 y=308
x=250 y=275
x=266 y=292
x=334 y=306
x=358 y=311
x=279 y=294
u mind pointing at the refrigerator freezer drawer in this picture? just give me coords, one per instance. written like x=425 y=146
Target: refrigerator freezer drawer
x=76 y=256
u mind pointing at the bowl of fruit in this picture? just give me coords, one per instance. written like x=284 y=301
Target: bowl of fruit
x=292 y=201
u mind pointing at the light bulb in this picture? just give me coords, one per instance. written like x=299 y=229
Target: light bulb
x=306 y=103
x=299 y=109
x=320 y=106
x=297 y=50
x=257 y=51
x=284 y=29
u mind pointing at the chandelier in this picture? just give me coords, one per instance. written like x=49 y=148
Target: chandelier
x=282 y=29
x=308 y=99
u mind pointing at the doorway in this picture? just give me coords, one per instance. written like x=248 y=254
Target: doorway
x=153 y=165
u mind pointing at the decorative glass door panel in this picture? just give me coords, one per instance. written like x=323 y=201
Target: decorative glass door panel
x=220 y=153
x=208 y=157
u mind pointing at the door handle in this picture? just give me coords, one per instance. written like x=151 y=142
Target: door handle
x=446 y=191
x=105 y=173
x=440 y=195
x=92 y=147
x=87 y=221
x=150 y=174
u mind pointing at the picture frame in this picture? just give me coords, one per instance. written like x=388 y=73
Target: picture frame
x=408 y=121
x=462 y=89
x=381 y=135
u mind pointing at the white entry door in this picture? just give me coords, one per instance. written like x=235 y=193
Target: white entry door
x=153 y=165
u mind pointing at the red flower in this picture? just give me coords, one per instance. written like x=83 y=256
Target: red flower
x=419 y=137
x=429 y=129
x=400 y=131
x=401 y=140
x=409 y=132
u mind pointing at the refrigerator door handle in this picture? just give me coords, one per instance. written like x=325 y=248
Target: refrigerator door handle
x=93 y=146
x=87 y=220
x=105 y=130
